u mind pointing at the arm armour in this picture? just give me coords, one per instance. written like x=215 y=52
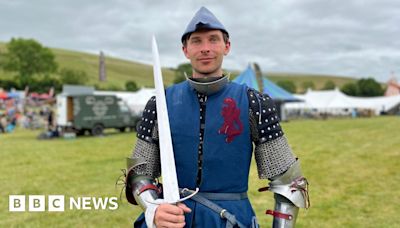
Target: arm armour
x=272 y=152
x=276 y=162
x=144 y=164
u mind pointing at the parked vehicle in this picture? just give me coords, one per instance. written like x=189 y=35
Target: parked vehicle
x=93 y=113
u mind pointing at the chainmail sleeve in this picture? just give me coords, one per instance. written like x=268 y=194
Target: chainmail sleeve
x=276 y=162
x=146 y=149
x=273 y=154
x=143 y=166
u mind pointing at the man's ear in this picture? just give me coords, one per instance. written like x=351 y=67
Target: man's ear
x=184 y=49
x=227 y=47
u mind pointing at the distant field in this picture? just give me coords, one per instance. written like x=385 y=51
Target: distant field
x=352 y=167
x=119 y=71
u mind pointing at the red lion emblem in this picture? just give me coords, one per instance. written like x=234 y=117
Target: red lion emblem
x=232 y=126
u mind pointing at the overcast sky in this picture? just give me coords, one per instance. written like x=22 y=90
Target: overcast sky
x=358 y=38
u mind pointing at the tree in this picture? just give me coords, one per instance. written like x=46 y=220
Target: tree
x=308 y=85
x=369 y=88
x=180 y=72
x=28 y=57
x=363 y=88
x=131 y=86
x=73 y=77
x=350 y=89
x=8 y=84
x=44 y=84
x=329 y=85
x=287 y=85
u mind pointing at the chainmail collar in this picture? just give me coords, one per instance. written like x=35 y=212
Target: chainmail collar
x=208 y=85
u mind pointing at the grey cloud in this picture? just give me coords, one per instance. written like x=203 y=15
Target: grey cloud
x=356 y=38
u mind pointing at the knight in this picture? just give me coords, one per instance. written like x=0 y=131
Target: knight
x=216 y=127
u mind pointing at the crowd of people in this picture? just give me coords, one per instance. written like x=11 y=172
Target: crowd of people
x=13 y=113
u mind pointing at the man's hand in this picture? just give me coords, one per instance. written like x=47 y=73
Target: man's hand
x=168 y=215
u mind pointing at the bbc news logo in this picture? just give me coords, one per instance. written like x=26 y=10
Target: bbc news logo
x=57 y=203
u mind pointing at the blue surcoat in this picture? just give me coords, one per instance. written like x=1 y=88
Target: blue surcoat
x=225 y=165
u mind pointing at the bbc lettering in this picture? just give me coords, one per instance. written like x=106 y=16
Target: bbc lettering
x=56 y=203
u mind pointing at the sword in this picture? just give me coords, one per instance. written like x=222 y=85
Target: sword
x=168 y=169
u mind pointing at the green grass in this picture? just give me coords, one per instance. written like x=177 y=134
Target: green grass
x=352 y=167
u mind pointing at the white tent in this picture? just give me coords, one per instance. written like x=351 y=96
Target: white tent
x=335 y=102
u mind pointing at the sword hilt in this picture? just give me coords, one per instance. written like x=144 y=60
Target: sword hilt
x=162 y=201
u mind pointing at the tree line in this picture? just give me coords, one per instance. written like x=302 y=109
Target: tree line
x=34 y=66
x=364 y=87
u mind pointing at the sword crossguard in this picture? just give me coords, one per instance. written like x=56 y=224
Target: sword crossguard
x=162 y=201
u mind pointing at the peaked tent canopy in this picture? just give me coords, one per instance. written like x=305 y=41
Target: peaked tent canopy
x=248 y=77
x=334 y=100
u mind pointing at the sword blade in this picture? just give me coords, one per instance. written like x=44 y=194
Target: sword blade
x=168 y=169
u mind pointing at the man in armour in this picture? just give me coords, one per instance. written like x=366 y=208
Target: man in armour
x=215 y=127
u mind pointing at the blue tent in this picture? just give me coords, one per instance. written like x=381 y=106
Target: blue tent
x=248 y=77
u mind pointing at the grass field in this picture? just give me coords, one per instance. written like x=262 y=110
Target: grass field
x=352 y=166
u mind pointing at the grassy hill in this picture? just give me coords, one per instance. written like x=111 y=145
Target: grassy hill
x=119 y=71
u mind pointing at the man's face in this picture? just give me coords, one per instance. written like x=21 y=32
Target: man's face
x=206 y=50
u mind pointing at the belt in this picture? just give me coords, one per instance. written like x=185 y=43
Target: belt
x=205 y=197
x=223 y=196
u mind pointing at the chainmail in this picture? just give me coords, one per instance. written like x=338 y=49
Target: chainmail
x=273 y=158
x=151 y=154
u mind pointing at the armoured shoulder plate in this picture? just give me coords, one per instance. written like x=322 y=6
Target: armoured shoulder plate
x=264 y=120
x=146 y=128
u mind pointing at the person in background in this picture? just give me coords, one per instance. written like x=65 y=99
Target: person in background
x=3 y=123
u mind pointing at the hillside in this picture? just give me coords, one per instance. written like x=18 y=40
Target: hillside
x=119 y=71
